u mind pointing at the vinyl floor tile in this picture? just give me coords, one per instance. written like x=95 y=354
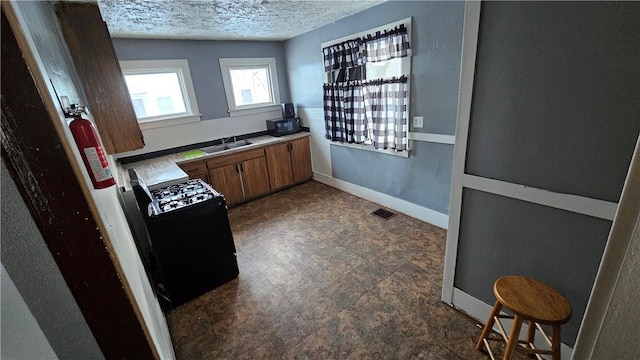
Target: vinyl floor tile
x=323 y=278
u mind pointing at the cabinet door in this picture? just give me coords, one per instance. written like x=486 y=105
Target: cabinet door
x=95 y=59
x=226 y=179
x=301 y=159
x=255 y=177
x=279 y=162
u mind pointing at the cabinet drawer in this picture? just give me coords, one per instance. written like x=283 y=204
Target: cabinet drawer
x=234 y=158
x=194 y=168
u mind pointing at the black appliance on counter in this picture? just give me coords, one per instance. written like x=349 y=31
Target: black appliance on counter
x=283 y=127
x=287 y=110
x=191 y=245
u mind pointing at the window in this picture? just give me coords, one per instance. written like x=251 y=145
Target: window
x=366 y=94
x=388 y=69
x=250 y=83
x=161 y=91
x=138 y=106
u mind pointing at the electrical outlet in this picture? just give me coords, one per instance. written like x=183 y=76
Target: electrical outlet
x=418 y=121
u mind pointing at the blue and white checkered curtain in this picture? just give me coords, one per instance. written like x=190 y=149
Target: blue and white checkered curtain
x=367 y=111
x=381 y=46
x=375 y=111
x=344 y=55
x=344 y=112
x=386 y=46
x=385 y=103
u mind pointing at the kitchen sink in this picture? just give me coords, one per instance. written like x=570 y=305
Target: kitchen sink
x=214 y=148
x=237 y=144
x=222 y=147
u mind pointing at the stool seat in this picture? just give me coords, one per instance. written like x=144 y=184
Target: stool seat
x=529 y=300
x=532 y=300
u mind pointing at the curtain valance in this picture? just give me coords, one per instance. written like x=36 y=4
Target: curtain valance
x=380 y=46
x=344 y=55
x=386 y=46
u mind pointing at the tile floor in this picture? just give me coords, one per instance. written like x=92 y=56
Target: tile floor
x=322 y=278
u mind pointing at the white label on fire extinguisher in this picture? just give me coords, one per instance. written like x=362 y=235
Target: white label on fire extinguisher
x=99 y=167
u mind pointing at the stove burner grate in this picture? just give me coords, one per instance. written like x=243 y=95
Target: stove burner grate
x=178 y=196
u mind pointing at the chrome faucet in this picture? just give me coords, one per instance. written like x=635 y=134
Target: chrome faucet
x=226 y=140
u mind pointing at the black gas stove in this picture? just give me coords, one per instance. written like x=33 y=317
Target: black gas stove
x=191 y=245
x=179 y=196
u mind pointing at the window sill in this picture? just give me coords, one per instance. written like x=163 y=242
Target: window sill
x=171 y=121
x=253 y=110
x=367 y=147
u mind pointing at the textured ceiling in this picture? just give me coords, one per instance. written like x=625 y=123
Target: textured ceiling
x=223 y=19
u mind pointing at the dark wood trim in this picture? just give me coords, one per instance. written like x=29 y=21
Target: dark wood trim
x=38 y=163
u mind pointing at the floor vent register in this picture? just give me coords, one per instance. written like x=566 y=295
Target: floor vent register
x=385 y=214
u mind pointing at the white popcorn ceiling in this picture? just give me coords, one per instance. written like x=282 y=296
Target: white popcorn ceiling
x=223 y=19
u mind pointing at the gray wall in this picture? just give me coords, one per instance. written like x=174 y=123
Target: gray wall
x=436 y=40
x=556 y=106
x=30 y=265
x=501 y=236
x=423 y=179
x=557 y=96
x=204 y=66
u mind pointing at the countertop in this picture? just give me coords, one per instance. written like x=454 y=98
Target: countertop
x=164 y=170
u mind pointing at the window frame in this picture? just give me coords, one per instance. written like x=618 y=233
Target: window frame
x=228 y=64
x=181 y=68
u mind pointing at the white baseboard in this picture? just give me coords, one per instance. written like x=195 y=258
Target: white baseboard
x=403 y=206
x=481 y=311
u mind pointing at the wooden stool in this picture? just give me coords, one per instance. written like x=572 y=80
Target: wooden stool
x=530 y=300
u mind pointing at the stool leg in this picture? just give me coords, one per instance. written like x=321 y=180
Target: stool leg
x=531 y=332
x=555 y=342
x=489 y=325
x=513 y=338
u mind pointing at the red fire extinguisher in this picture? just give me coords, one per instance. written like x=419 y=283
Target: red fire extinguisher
x=90 y=149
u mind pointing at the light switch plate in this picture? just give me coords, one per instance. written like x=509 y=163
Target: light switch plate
x=418 y=121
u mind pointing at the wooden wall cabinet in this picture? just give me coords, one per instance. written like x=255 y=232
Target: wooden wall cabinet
x=95 y=60
x=289 y=163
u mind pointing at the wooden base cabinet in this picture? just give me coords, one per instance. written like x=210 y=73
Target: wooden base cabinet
x=226 y=179
x=240 y=176
x=255 y=177
x=244 y=175
x=197 y=170
x=301 y=160
x=279 y=162
x=289 y=163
